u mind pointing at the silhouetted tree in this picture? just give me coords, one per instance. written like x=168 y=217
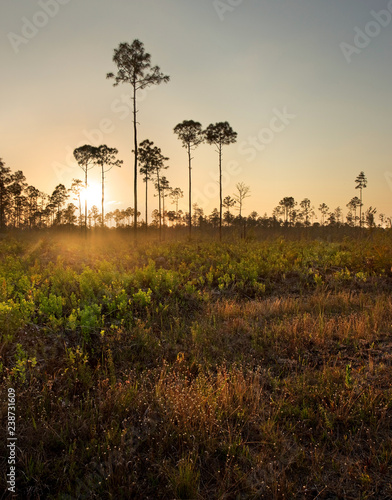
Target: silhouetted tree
x=58 y=198
x=108 y=218
x=94 y=215
x=32 y=202
x=370 y=216
x=221 y=134
x=352 y=205
x=243 y=192
x=159 y=165
x=350 y=218
x=5 y=193
x=361 y=182
x=338 y=214
x=324 y=211
x=134 y=67
x=294 y=216
x=127 y=215
x=306 y=210
x=288 y=204
x=191 y=135
x=156 y=218
x=228 y=218
x=118 y=216
x=85 y=156
x=229 y=202
x=165 y=190
x=42 y=208
x=172 y=216
x=49 y=212
x=69 y=214
x=17 y=188
x=198 y=215
x=147 y=155
x=213 y=218
x=332 y=218
x=76 y=189
x=277 y=214
x=106 y=157
x=175 y=195
x=252 y=219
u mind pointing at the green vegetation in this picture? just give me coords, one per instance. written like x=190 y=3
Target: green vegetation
x=197 y=369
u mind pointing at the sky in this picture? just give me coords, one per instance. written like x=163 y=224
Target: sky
x=306 y=84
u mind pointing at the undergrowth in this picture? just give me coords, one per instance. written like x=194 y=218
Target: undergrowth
x=198 y=370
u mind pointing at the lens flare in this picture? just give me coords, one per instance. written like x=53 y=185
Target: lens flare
x=93 y=194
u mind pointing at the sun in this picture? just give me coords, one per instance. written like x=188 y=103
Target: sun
x=93 y=194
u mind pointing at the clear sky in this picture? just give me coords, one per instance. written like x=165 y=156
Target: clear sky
x=310 y=113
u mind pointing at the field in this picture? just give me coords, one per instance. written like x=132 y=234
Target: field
x=198 y=370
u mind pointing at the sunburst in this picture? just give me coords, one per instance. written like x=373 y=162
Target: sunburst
x=93 y=194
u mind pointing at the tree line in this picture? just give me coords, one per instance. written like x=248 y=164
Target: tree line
x=23 y=206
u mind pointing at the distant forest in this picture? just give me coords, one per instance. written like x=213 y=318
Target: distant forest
x=23 y=206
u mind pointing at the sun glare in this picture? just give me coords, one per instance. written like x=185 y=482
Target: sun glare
x=93 y=194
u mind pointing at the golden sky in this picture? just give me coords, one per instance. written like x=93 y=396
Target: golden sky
x=306 y=84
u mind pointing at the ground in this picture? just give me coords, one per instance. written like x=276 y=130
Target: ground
x=234 y=370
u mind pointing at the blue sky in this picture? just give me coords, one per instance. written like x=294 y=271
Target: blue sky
x=250 y=63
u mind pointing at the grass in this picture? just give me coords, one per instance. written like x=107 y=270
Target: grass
x=198 y=370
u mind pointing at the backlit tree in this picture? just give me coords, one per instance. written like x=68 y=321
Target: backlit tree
x=105 y=158
x=361 y=183
x=220 y=134
x=134 y=67
x=191 y=135
x=85 y=156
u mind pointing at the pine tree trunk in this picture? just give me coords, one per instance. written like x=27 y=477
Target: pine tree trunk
x=163 y=207
x=85 y=203
x=220 y=192
x=190 y=191
x=160 y=211
x=146 y=200
x=135 y=164
x=103 y=197
x=1 y=208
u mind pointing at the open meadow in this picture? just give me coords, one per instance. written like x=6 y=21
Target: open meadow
x=196 y=250
x=198 y=370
